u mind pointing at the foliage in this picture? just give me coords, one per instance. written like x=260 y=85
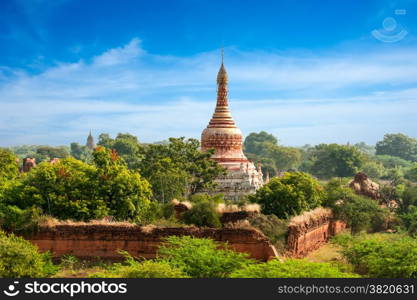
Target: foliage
x=291 y=268
x=124 y=191
x=275 y=229
x=178 y=169
x=126 y=145
x=9 y=169
x=71 y=189
x=201 y=258
x=333 y=160
x=254 y=141
x=40 y=152
x=365 y=148
x=15 y=219
x=48 y=152
x=264 y=147
x=289 y=195
x=82 y=153
x=398 y=145
x=203 y=213
x=391 y=162
x=144 y=269
x=19 y=258
x=360 y=213
x=383 y=255
x=373 y=169
x=411 y=173
x=407 y=209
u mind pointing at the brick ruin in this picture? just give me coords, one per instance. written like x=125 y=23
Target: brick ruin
x=311 y=230
x=306 y=233
x=91 y=241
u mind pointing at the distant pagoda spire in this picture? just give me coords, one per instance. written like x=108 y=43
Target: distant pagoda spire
x=90 y=142
x=222 y=117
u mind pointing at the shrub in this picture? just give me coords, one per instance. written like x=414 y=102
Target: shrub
x=291 y=268
x=383 y=255
x=201 y=258
x=203 y=213
x=359 y=212
x=19 y=258
x=14 y=219
x=71 y=189
x=144 y=269
x=273 y=227
x=289 y=195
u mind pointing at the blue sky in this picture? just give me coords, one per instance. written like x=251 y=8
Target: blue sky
x=306 y=71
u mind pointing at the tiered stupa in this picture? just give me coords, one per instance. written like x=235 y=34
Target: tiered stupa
x=226 y=139
x=90 y=142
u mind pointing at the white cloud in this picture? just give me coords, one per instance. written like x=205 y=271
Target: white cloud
x=302 y=98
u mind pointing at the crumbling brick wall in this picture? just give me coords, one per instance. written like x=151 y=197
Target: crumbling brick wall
x=310 y=230
x=90 y=241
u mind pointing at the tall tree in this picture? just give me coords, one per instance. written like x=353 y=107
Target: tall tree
x=398 y=145
x=126 y=145
x=178 y=168
x=254 y=141
x=330 y=160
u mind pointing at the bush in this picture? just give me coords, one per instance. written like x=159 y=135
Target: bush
x=383 y=255
x=145 y=269
x=71 y=189
x=203 y=213
x=291 y=268
x=359 y=212
x=14 y=219
x=275 y=229
x=19 y=258
x=289 y=195
x=201 y=258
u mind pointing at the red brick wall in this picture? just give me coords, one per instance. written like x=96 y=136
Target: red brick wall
x=302 y=240
x=90 y=241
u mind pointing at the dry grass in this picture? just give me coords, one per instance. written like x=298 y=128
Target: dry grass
x=185 y=203
x=241 y=224
x=327 y=253
x=52 y=222
x=311 y=216
x=223 y=208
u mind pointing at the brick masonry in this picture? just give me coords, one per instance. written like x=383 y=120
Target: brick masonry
x=90 y=241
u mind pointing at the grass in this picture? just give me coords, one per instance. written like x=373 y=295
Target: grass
x=331 y=253
x=72 y=267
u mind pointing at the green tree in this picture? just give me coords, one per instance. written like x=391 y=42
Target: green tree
x=9 y=169
x=126 y=145
x=48 y=152
x=264 y=147
x=254 y=141
x=398 y=145
x=373 y=169
x=178 y=168
x=333 y=160
x=71 y=189
x=82 y=153
x=289 y=195
x=124 y=191
x=360 y=213
x=365 y=148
